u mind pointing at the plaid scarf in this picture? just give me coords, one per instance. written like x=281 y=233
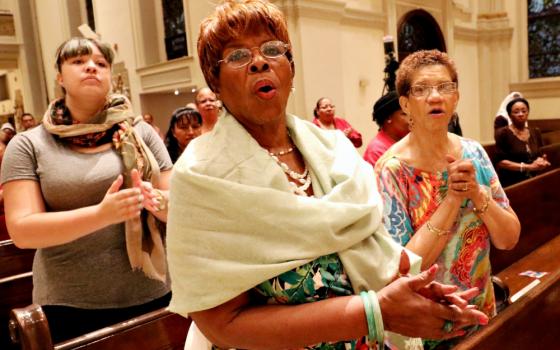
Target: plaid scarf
x=144 y=241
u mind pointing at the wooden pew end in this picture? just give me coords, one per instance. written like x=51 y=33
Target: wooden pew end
x=30 y=329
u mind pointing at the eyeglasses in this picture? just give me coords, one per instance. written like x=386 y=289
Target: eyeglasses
x=241 y=57
x=424 y=90
x=326 y=107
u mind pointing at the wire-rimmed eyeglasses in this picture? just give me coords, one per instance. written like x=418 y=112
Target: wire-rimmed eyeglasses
x=421 y=90
x=239 y=58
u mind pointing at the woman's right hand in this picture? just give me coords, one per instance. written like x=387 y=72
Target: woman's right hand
x=539 y=164
x=120 y=205
x=408 y=307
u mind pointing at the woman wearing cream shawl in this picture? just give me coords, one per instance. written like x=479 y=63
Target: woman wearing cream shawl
x=275 y=225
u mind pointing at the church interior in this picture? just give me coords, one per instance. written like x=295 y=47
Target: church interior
x=345 y=50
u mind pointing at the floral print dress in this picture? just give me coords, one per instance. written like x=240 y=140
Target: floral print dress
x=319 y=279
x=412 y=195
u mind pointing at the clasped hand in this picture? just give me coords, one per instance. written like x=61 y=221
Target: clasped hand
x=120 y=205
x=462 y=178
x=417 y=306
x=539 y=164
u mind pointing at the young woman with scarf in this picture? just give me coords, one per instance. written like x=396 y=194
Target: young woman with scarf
x=81 y=188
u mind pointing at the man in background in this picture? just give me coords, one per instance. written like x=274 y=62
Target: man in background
x=28 y=121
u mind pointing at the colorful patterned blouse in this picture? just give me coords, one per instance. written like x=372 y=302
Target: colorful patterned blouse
x=410 y=198
x=320 y=279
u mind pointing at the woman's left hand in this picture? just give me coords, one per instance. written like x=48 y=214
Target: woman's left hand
x=154 y=200
x=435 y=291
x=462 y=178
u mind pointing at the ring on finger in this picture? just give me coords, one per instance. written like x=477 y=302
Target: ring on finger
x=447 y=326
x=466 y=187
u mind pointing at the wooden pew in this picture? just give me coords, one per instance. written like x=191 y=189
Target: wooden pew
x=160 y=329
x=552 y=151
x=16 y=284
x=531 y=321
x=536 y=202
x=490 y=148
x=546 y=125
x=551 y=137
x=14 y=260
x=553 y=154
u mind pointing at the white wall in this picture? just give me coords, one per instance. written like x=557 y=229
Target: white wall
x=113 y=23
x=53 y=29
x=363 y=64
x=466 y=59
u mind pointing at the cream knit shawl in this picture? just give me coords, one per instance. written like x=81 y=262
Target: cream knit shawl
x=233 y=222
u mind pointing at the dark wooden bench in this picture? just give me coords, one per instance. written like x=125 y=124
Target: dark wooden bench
x=552 y=152
x=551 y=149
x=16 y=284
x=536 y=202
x=551 y=137
x=14 y=260
x=530 y=321
x=160 y=329
x=490 y=149
x=546 y=125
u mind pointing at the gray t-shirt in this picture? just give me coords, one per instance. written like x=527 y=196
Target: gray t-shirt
x=92 y=272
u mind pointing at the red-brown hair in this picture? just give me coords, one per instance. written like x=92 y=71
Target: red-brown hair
x=420 y=59
x=232 y=19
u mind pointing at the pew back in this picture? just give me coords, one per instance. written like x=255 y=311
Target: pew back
x=490 y=149
x=528 y=323
x=535 y=201
x=551 y=137
x=16 y=283
x=553 y=154
x=546 y=125
x=160 y=329
x=14 y=260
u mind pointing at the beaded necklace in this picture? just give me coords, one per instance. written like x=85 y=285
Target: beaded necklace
x=282 y=152
x=304 y=178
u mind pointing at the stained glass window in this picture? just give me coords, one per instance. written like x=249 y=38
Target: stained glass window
x=174 y=24
x=544 y=38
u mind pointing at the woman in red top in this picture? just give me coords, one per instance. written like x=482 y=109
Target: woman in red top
x=393 y=126
x=325 y=119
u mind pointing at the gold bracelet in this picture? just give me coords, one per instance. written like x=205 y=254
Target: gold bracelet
x=161 y=198
x=484 y=208
x=437 y=231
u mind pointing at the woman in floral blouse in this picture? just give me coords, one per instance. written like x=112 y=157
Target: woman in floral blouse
x=442 y=198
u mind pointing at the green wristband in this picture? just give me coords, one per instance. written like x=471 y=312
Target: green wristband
x=380 y=332
x=372 y=334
